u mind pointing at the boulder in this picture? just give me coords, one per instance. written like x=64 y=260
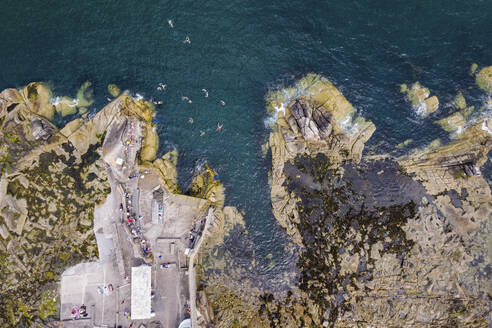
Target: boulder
x=431 y=104
x=41 y=128
x=293 y=124
x=419 y=97
x=323 y=118
x=309 y=129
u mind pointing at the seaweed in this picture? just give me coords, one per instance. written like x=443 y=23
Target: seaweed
x=345 y=215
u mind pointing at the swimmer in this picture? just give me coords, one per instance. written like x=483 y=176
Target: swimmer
x=170 y=22
x=189 y=101
x=163 y=86
x=159 y=88
x=202 y=133
x=108 y=99
x=191 y=120
x=184 y=98
x=222 y=102
x=219 y=127
x=187 y=40
x=206 y=93
x=159 y=102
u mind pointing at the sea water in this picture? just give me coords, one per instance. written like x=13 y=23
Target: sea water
x=238 y=51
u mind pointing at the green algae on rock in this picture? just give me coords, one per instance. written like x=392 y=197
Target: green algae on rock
x=459 y=101
x=85 y=95
x=484 y=79
x=114 y=90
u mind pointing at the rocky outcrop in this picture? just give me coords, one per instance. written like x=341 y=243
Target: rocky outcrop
x=319 y=121
x=456 y=123
x=420 y=99
x=388 y=241
x=484 y=79
x=50 y=182
x=41 y=129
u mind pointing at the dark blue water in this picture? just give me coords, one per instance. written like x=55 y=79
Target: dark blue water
x=239 y=50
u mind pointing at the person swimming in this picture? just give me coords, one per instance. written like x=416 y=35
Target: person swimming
x=187 y=40
x=184 y=98
x=191 y=120
x=222 y=102
x=170 y=22
x=219 y=127
x=189 y=101
x=202 y=133
x=205 y=92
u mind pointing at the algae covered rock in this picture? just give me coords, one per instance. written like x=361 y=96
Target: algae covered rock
x=85 y=95
x=459 y=101
x=114 y=90
x=473 y=68
x=484 y=79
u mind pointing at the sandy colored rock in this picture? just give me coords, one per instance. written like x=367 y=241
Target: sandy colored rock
x=338 y=132
x=420 y=99
x=37 y=97
x=431 y=104
x=66 y=106
x=166 y=166
x=150 y=144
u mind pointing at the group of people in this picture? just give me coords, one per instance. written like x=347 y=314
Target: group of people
x=133 y=222
x=79 y=312
x=106 y=290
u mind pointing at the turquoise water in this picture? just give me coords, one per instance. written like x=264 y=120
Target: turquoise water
x=239 y=50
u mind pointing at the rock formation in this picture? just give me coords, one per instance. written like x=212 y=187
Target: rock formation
x=484 y=79
x=420 y=99
x=386 y=239
x=50 y=182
